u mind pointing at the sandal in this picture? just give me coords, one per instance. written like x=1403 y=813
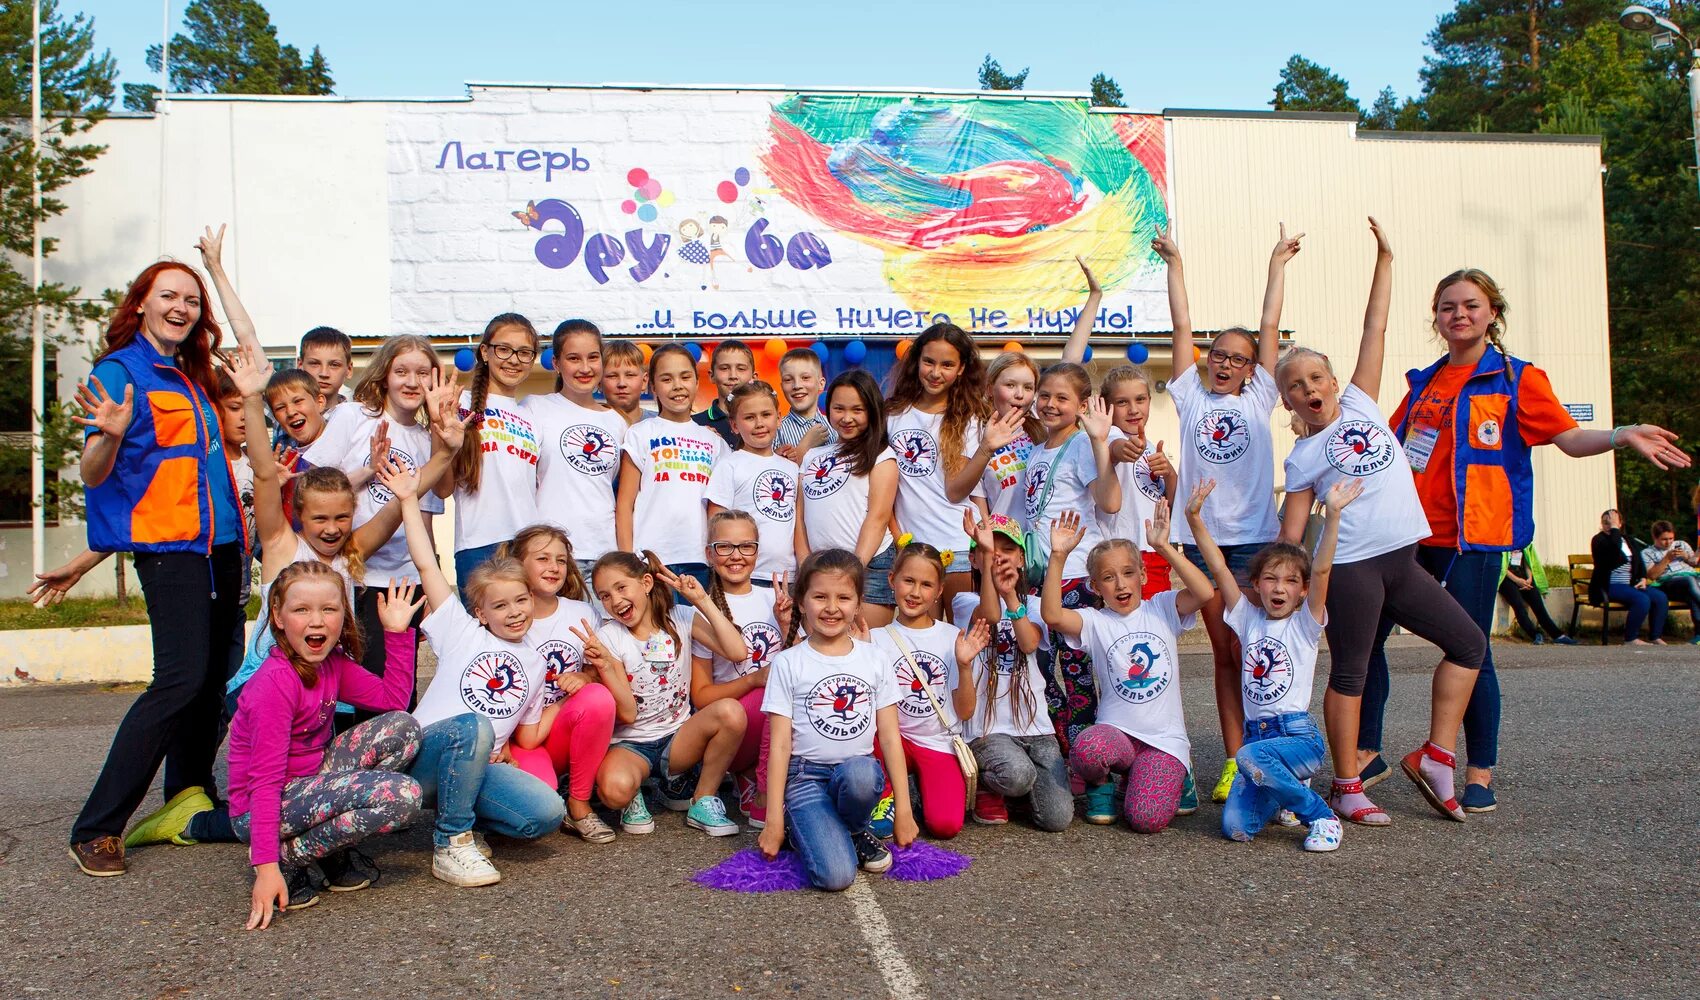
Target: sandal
x=1447 y=806
x=1372 y=815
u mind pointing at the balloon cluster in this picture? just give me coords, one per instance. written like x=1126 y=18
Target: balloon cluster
x=647 y=195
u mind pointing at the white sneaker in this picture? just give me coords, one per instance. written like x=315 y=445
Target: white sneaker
x=1324 y=835
x=483 y=845
x=460 y=863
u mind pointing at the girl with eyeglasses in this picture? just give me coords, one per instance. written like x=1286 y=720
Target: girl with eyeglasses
x=755 y=481
x=494 y=479
x=763 y=615
x=1225 y=436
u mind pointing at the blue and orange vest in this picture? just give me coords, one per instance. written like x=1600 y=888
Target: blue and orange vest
x=158 y=497
x=1493 y=479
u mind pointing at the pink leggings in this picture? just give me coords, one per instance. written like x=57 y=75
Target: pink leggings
x=1154 y=778
x=576 y=743
x=942 y=788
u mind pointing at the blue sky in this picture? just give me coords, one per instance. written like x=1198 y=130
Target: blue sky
x=1162 y=54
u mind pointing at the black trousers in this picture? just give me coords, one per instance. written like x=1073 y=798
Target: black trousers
x=1522 y=602
x=193 y=610
x=372 y=628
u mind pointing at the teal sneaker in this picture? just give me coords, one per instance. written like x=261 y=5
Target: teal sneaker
x=168 y=824
x=635 y=818
x=708 y=814
x=1101 y=804
x=880 y=824
x=1189 y=797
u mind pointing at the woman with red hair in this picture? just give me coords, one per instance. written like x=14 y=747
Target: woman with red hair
x=159 y=486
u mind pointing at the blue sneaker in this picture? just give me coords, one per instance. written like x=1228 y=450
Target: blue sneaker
x=881 y=825
x=1570 y=640
x=1478 y=799
x=1101 y=804
x=708 y=814
x=1189 y=797
x=678 y=791
x=635 y=818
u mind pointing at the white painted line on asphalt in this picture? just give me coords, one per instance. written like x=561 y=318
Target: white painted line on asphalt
x=899 y=978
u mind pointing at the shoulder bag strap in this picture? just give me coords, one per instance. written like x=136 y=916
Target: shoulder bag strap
x=933 y=699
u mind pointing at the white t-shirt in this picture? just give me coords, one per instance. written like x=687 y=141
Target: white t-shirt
x=1001 y=482
x=835 y=502
x=922 y=507
x=578 y=456
x=346 y=444
x=765 y=487
x=1278 y=658
x=662 y=686
x=1137 y=670
x=830 y=700
x=1359 y=445
x=506 y=500
x=1226 y=438
x=753 y=614
x=1140 y=493
x=477 y=672
x=1073 y=470
x=562 y=651
x=934 y=652
x=675 y=460
x=1003 y=655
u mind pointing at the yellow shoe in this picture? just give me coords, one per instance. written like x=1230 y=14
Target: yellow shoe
x=1231 y=768
x=168 y=824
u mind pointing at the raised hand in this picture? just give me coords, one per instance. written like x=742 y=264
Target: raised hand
x=1066 y=532
x=981 y=531
x=380 y=446
x=688 y=586
x=211 y=246
x=1165 y=247
x=250 y=369
x=1001 y=430
x=1006 y=577
x=398 y=604
x=1091 y=280
x=1157 y=528
x=1342 y=494
x=397 y=478
x=973 y=642
x=1095 y=419
x=1286 y=247
x=1159 y=464
x=104 y=415
x=1199 y=492
x=1382 y=247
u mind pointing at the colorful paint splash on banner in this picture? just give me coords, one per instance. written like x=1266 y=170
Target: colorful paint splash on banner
x=976 y=203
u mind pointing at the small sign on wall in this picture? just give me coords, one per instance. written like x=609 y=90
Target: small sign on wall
x=1582 y=413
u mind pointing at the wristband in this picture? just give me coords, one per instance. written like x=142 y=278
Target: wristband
x=1015 y=615
x=1616 y=430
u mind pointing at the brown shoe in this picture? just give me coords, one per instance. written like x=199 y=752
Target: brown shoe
x=99 y=857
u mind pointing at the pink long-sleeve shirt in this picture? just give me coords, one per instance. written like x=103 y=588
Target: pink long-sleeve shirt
x=282 y=728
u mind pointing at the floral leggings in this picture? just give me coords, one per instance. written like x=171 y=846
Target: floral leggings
x=356 y=795
x=1070 y=692
x=1154 y=778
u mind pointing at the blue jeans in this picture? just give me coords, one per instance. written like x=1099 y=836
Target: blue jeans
x=1238 y=558
x=1644 y=603
x=876 y=582
x=453 y=769
x=824 y=804
x=1279 y=754
x=1685 y=589
x=467 y=560
x=1472 y=578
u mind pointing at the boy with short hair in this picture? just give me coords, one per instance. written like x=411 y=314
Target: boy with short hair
x=624 y=380
x=730 y=366
x=297 y=405
x=328 y=355
x=801 y=380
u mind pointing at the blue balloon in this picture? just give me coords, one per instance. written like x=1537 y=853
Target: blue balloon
x=855 y=352
x=1138 y=353
x=823 y=352
x=696 y=351
x=466 y=359
x=1088 y=355
x=548 y=359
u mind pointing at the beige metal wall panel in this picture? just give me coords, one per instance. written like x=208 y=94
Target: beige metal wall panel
x=1528 y=212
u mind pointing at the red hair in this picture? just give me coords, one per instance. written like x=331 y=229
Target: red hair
x=195 y=355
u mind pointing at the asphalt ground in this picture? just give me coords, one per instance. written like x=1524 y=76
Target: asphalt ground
x=1584 y=884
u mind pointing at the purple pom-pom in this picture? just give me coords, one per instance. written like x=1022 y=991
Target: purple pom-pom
x=923 y=862
x=748 y=871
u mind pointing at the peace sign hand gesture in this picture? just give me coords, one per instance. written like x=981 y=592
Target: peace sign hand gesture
x=104 y=415
x=689 y=587
x=1287 y=247
x=783 y=606
x=596 y=655
x=1165 y=247
x=1091 y=280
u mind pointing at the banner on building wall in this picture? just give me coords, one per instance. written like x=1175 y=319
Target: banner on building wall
x=772 y=214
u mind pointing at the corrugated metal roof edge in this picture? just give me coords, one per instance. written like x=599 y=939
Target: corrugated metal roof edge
x=1388 y=135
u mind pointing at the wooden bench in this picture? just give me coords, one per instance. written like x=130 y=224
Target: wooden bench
x=1581 y=573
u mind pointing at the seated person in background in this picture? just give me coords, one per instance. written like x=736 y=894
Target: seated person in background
x=1672 y=566
x=1523 y=585
x=1621 y=576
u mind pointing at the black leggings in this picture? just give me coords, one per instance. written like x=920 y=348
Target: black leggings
x=1522 y=602
x=372 y=629
x=1392 y=584
x=193 y=610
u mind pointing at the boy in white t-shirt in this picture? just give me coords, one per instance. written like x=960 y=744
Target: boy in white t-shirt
x=759 y=482
x=1283 y=746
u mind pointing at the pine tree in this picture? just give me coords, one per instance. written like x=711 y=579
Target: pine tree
x=1106 y=93
x=992 y=76
x=1307 y=86
x=232 y=48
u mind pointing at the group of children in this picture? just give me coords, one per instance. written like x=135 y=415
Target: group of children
x=812 y=599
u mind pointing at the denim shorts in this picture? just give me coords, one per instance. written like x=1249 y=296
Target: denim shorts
x=876 y=582
x=696 y=569
x=657 y=752
x=1238 y=558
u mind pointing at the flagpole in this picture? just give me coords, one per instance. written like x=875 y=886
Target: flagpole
x=38 y=347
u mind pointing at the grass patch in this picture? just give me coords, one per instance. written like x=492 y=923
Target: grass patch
x=85 y=612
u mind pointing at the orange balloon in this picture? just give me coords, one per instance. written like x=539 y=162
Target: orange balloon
x=903 y=348
x=1013 y=347
x=648 y=352
x=1196 y=353
x=774 y=348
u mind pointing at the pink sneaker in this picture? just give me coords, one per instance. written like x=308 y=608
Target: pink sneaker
x=754 y=809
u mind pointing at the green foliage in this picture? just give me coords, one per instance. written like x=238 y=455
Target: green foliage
x=992 y=76
x=1384 y=113
x=1306 y=86
x=232 y=48
x=1106 y=93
